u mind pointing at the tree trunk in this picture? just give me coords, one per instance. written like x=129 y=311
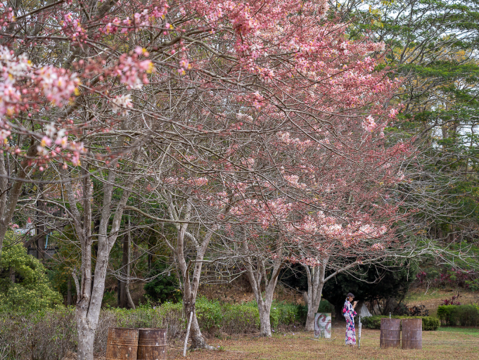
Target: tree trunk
x=191 y=283
x=88 y=312
x=316 y=282
x=86 y=337
x=130 y=303
x=90 y=292
x=124 y=274
x=313 y=306
x=265 y=319
x=69 y=291
x=264 y=305
x=197 y=338
x=255 y=277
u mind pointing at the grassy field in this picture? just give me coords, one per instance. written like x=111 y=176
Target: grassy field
x=449 y=343
x=469 y=330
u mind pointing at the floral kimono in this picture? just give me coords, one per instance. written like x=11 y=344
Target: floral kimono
x=349 y=314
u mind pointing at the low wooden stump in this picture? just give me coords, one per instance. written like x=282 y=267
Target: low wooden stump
x=390 y=333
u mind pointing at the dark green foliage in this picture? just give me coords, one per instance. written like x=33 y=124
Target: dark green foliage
x=429 y=323
x=163 y=287
x=373 y=284
x=463 y=315
x=294 y=277
x=325 y=307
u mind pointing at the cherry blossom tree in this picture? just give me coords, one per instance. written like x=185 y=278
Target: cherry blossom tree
x=218 y=90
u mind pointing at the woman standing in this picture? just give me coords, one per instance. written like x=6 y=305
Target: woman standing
x=349 y=314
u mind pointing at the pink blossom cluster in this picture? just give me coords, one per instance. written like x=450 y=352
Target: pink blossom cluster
x=369 y=124
x=377 y=247
x=121 y=104
x=265 y=213
x=285 y=137
x=72 y=27
x=55 y=142
x=58 y=85
x=148 y=17
x=132 y=71
x=12 y=68
x=332 y=229
x=293 y=181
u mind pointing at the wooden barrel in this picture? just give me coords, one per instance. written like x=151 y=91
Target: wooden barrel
x=152 y=344
x=122 y=344
x=412 y=333
x=390 y=333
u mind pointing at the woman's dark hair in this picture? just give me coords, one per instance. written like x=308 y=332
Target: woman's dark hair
x=350 y=295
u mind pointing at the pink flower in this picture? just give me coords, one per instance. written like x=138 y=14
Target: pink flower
x=369 y=124
x=46 y=141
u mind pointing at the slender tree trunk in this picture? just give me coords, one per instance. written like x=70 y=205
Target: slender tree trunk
x=255 y=277
x=264 y=303
x=92 y=289
x=190 y=291
x=316 y=282
x=127 y=282
x=124 y=274
x=69 y=291
x=191 y=283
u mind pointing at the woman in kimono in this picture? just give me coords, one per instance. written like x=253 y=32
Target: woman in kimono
x=349 y=314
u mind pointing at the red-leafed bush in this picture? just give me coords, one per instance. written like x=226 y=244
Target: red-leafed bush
x=452 y=301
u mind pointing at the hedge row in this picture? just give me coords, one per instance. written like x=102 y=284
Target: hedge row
x=463 y=315
x=429 y=323
x=50 y=334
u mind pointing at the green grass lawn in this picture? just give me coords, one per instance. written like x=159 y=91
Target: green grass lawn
x=469 y=331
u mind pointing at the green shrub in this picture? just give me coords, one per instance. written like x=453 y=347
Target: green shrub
x=325 y=307
x=239 y=319
x=463 y=315
x=372 y=322
x=209 y=314
x=429 y=323
x=287 y=313
x=31 y=290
